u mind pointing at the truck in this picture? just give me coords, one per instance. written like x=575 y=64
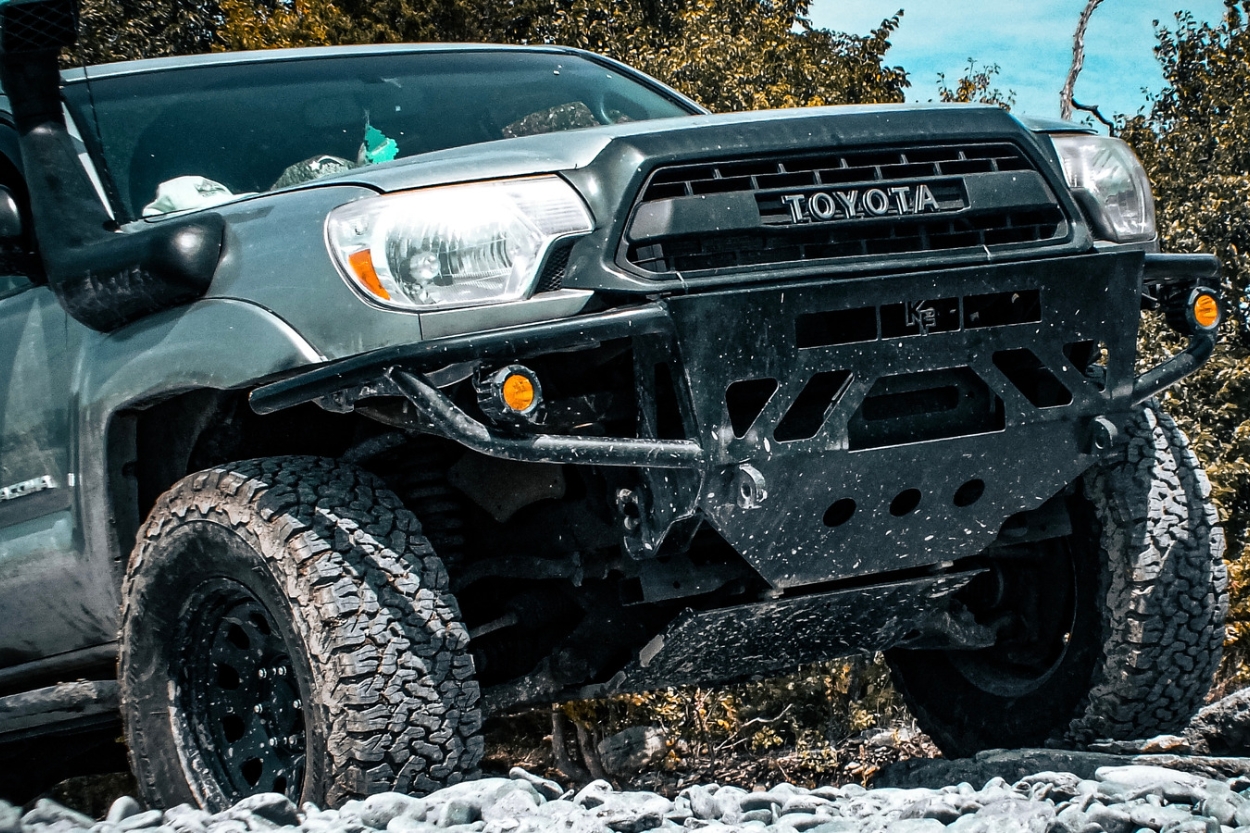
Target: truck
x=354 y=394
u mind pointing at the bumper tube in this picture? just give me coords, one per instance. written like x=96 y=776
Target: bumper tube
x=513 y=342
x=455 y=424
x=1174 y=369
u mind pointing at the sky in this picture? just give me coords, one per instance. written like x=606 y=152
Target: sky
x=1030 y=40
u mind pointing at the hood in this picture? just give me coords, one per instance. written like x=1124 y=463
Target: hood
x=723 y=133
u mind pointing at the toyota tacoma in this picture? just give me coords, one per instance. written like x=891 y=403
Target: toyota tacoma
x=351 y=395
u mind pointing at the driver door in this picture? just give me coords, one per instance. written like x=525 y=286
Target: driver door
x=40 y=571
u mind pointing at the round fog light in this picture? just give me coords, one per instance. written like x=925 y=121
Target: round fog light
x=1204 y=310
x=512 y=394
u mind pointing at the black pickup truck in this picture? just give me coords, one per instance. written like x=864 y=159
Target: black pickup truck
x=350 y=395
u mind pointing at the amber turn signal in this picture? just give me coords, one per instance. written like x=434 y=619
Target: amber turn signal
x=362 y=265
x=510 y=395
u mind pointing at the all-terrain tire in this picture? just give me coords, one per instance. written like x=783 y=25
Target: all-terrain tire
x=1147 y=626
x=324 y=572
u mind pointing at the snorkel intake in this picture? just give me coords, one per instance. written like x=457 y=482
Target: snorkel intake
x=103 y=277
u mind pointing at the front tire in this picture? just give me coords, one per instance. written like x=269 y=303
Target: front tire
x=287 y=628
x=1119 y=627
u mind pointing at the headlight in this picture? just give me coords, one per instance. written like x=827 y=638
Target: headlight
x=455 y=245
x=1111 y=185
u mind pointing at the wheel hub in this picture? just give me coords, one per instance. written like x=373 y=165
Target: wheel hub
x=240 y=696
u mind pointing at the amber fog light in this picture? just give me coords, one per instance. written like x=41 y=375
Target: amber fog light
x=511 y=395
x=1202 y=313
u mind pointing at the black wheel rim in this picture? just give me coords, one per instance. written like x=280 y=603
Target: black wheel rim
x=1030 y=597
x=240 y=695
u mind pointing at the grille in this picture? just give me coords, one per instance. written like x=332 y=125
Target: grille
x=776 y=243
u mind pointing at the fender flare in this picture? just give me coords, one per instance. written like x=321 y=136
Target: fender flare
x=169 y=353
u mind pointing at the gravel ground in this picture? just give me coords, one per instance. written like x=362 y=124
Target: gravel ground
x=1121 y=799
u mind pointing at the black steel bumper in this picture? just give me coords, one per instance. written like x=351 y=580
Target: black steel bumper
x=917 y=410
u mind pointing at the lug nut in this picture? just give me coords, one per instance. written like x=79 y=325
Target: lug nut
x=280 y=671
x=262 y=673
x=296 y=704
x=258 y=708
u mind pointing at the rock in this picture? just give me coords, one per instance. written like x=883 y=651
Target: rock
x=804 y=804
x=1223 y=727
x=549 y=790
x=139 y=821
x=633 y=750
x=123 y=808
x=272 y=807
x=1057 y=786
x=511 y=806
x=10 y=818
x=408 y=824
x=1177 y=787
x=760 y=801
x=1111 y=819
x=49 y=812
x=1011 y=765
x=1157 y=818
x=379 y=810
x=836 y=826
x=457 y=812
x=801 y=821
x=1219 y=808
x=702 y=802
x=632 y=812
x=593 y=794
x=915 y=826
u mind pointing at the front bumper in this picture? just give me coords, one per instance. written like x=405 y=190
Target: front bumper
x=896 y=420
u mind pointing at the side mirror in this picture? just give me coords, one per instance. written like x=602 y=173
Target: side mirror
x=10 y=217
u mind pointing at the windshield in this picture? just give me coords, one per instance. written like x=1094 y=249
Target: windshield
x=187 y=138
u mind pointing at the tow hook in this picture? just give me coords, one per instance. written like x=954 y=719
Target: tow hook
x=1102 y=436
x=750 y=488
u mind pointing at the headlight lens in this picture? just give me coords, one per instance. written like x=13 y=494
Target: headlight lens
x=455 y=245
x=1111 y=184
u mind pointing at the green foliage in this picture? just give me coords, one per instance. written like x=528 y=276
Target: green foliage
x=976 y=85
x=125 y=30
x=727 y=54
x=1195 y=143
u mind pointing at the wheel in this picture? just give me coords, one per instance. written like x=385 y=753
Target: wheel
x=287 y=628
x=1114 y=631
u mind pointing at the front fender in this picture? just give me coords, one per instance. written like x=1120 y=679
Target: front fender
x=214 y=343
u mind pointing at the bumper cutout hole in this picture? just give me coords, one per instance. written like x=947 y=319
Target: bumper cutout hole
x=905 y=502
x=969 y=493
x=840 y=512
x=746 y=400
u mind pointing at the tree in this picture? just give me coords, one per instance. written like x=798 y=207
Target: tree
x=125 y=30
x=1195 y=143
x=727 y=54
x=976 y=85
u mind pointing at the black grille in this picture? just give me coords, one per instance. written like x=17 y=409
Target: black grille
x=776 y=242
x=552 y=277
x=40 y=25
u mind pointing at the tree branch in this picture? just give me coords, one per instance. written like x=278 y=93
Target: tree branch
x=1078 y=60
x=1093 y=110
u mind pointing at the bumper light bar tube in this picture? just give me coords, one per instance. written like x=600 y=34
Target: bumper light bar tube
x=455 y=424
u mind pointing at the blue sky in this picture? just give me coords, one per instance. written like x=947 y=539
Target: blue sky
x=1031 y=40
